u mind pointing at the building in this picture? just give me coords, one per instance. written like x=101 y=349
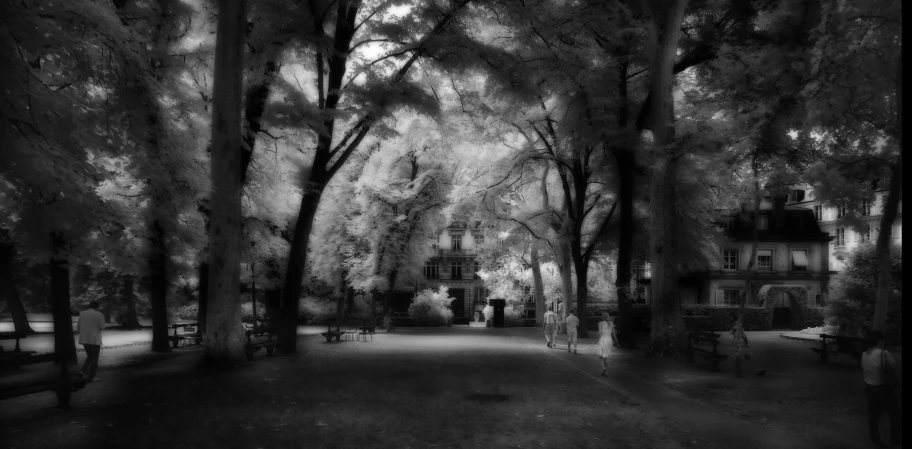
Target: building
x=452 y=265
x=831 y=219
x=792 y=249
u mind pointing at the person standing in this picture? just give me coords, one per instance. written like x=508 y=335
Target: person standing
x=572 y=323
x=91 y=323
x=876 y=363
x=550 y=319
x=606 y=341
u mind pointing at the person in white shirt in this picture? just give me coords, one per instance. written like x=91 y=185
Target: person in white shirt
x=550 y=319
x=91 y=323
x=881 y=396
x=572 y=323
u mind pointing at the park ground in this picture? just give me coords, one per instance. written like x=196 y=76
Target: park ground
x=446 y=387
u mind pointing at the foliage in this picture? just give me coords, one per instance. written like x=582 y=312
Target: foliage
x=247 y=311
x=431 y=308
x=316 y=310
x=853 y=291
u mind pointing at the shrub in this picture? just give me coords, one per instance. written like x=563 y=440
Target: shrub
x=723 y=318
x=597 y=308
x=247 y=311
x=314 y=310
x=853 y=295
x=188 y=312
x=512 y=313
x=488 y=312
x=432 y=308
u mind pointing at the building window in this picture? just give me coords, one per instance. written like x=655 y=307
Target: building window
x=865 y=236
x=818 y=212
x=799 y=260
x=479 y=240
x=476 y=268
x=764 y=222
x=867 y=207
x=729 y=259
x=728 y=297
x=765 y=259
x=840 y=211
x=457 y=242
x=796 y=196
x=456 y=270
x=726 y=223
x=431 y=270
x=840 y=237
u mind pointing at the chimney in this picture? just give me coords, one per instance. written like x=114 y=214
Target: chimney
x=779 y=211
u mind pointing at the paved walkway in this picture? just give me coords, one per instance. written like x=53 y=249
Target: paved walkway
x=814 y=392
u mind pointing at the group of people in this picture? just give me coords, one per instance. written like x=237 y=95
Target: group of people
x=607 y=336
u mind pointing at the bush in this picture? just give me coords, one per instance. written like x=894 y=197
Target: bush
x=432 y=308
x=512 y=313
x=853 y=295
x=596 y=309
x=723 y=318
x=314 y=310
x=247 y=311
x=188 y=312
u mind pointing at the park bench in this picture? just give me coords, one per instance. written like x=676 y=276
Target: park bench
x=707 y=336
x=63 y=385
x=843 y=345
x=188 y=332
x=11 y=336
x=256 y=341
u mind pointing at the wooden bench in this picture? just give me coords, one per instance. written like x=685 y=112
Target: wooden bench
x=707 y=336
x=260 y=332
x=843 y=345
x=11 y=336
x=366 y=331
x=189 y=332
x=63 y=385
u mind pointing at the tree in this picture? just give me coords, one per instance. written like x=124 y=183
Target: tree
x=331 y=55
x=223 y=343
x=663 y=25
x=854 y=99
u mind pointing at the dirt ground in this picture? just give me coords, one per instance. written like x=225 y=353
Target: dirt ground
x=454 y=387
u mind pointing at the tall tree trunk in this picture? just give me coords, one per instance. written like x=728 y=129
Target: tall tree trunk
x=297 y=257
x=223 y=343
x=64 y=342
x=340 y=303
x=755 y=240
x=566 y=273
x=539 y=286
x=159 y=289
x=626 y=323
x=890 y=210
x=582 y=292
x=391 y=280
x=202 y=305
x=130 y=321
x=8 y=286
x=273 y=300
x=663 y=29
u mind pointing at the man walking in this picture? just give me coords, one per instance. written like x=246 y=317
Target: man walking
x=550 y=327
x=91 y=323
x=572 y=323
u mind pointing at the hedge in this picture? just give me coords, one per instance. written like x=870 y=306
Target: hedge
x=723 y=318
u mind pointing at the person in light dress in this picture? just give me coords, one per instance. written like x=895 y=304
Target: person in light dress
x=605 y=344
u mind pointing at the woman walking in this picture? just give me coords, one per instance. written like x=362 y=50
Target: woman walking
x=603 y=347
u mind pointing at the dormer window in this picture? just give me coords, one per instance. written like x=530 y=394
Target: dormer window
x=818 y=212
x=867 y=207
x=479 y=239
x=763 y=222
x=840 y=211
x=457 y=242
